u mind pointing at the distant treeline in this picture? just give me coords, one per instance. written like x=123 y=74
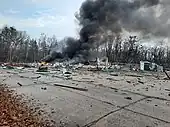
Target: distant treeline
x=17 y=46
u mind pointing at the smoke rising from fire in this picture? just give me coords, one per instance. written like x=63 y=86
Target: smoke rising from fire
x=100 y=16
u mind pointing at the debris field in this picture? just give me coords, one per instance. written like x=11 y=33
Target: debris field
x=88 y=98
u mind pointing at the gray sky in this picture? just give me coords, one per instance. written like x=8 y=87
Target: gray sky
x=41 y=16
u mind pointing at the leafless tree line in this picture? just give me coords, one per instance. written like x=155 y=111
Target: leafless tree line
x=17 y=46
x=131 y=51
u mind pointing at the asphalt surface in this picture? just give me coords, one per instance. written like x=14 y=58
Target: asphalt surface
x=127 y=100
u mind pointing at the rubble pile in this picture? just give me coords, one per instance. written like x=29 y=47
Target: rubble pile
x=15 y=113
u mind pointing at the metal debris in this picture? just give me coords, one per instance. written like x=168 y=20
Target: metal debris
x=19 y=84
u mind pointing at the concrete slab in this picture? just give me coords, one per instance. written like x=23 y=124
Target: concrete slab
x=14 y=80
x=50 y=79
x=112 y=96
x=66 y=107
x=104 y=79
x=96 y=92
x=4 y=77
x=153 y=107
x=28 y=74
x=158 y=88
x=105 y=94
x=125 y=118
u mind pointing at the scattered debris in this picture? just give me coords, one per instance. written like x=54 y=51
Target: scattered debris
x=20 y=68
x=113 y=74
x=149 y=66
x=82 y=81
x=168 y=77
x=19 y=84
x=53 y=112
x=124 y=93
x=128 y=81
x=69 y=73
x=168 y=103
x=71 y=87
x=148 y=100
x=22 y=77
x=27 y=66
x=141 y=82
x=9 y=67
x=128 y=98
x=42 y=69
x=151 y=86
x=44 y=88
x=167 y=89
x=112 y=79
x=101 y=85
x=36 y=77
x=139 y=78
x=165 y=78
x=147 y=89
x=133 y=75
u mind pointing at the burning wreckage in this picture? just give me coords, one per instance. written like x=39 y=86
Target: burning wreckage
x=100 y=18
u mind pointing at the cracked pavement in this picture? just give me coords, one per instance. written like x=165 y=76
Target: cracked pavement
x=111 y=101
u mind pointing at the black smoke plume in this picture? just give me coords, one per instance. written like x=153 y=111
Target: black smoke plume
x=109 y=15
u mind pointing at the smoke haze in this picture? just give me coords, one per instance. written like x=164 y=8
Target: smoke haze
x=96 y=17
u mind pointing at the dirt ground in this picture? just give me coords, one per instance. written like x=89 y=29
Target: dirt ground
x=101 y=99
x=15 y=112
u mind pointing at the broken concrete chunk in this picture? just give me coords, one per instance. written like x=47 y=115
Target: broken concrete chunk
x=128 y=98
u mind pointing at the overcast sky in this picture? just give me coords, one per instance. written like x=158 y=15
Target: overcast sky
x=52 y=17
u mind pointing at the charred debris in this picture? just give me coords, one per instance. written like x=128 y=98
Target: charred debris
x=101 y=18
x=101 y=36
